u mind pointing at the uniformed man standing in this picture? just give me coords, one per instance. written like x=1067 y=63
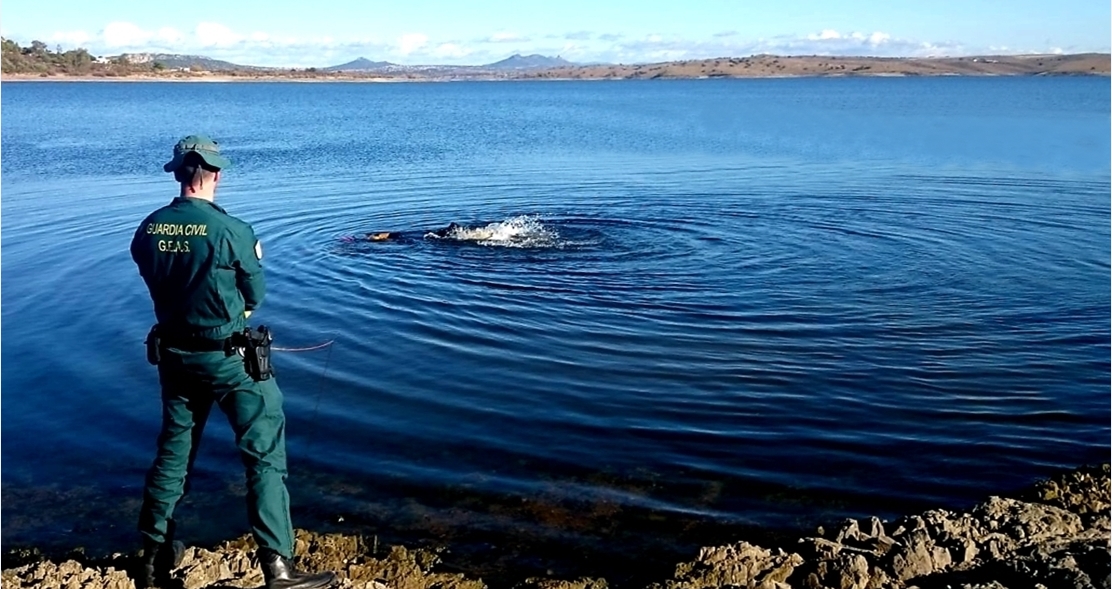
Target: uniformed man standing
x=202 y=267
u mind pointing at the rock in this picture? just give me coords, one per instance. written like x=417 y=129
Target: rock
x=741 y=565
x=916 y=555
x=401 y=568
x=580 y=583
x=234 y=564
x=818 y=549
x=828 y=564
x=909 y=524
x=957 y=533
x=989 y=585
x=1001 y=541
x=873 y=528
x=963 y=550
x=67 y=575
x=1087 y=490
x=867 y=535
x=1026 y=523
x=1057 y=538
x=846 y=571
x=1082 y=563
x=848 y=531
x=228 y=567
x=407 y=569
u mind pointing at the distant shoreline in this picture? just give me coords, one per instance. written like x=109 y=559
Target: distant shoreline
x=759 y=66
x=217 y=79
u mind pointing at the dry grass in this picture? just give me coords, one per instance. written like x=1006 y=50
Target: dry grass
x=761 y=66
x=758 y=66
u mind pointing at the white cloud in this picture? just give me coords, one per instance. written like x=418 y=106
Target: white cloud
x=450 y=51
x=825 y=42
x=282 y=49
x=832 y=42
x=575 y=36
x=210 y=34
x=124 y=34
x=874 y=39
x=287 y=41
x=170 y=36
x=824 y=35
x=878 y=38
x=667 y=55
x=411 y=42
x=505 y=37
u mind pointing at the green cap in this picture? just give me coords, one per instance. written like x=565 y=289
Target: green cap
x=201 y=145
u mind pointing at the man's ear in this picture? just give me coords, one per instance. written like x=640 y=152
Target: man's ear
x=216 y=176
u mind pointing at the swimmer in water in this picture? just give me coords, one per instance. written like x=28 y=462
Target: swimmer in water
x=397 y=235
x=516 y=232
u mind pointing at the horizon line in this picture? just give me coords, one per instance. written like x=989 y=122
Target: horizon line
x=600 y=63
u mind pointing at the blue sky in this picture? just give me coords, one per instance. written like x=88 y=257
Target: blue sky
x=414 y=32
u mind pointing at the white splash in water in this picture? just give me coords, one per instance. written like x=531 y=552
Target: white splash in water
x=521 y=231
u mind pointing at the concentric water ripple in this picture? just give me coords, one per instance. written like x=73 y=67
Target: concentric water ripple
x=776 y=311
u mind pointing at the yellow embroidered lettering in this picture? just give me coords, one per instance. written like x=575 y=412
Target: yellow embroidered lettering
x=173 y=246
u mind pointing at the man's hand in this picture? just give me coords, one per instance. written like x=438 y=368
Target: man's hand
x=247 y=314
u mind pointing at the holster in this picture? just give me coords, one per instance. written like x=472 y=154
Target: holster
x=254 y=345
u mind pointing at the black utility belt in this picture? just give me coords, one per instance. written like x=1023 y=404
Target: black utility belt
x=252 y=344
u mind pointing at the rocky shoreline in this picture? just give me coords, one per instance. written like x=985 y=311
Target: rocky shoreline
x=1054 y=534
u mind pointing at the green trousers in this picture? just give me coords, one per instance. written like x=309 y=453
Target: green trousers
x=191 y=383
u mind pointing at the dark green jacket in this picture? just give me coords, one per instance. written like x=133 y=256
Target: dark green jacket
x=201 y=266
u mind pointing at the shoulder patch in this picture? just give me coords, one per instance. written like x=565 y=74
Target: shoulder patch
x=258 y=249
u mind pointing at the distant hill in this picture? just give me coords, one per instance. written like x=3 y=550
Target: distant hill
x=38 y=61
x=521 y=62
x=194 y=62
x=359 y=65
x=764 y=65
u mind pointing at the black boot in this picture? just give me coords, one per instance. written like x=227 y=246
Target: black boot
x=159 y=558
x=278 y=572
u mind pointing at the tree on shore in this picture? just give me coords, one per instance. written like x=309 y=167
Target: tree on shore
x=37 y=58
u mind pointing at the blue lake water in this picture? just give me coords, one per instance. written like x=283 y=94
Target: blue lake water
x=730 y=305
